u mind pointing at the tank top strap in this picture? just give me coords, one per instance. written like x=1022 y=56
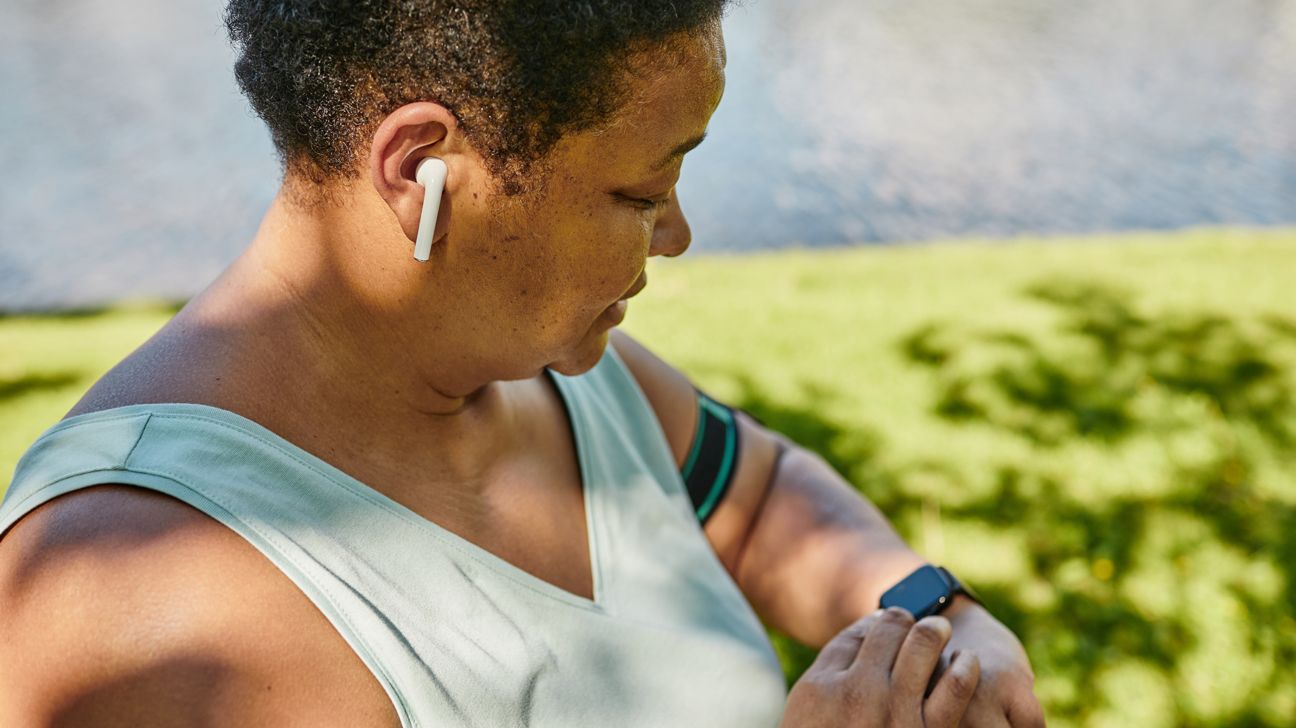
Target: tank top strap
x=455 y=635
x=624 y=426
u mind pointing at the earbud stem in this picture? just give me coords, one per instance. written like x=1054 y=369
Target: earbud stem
x=431 y=173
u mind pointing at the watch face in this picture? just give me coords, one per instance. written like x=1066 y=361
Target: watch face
x=922 y=593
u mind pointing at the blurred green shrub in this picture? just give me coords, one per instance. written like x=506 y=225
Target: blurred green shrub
x=1095 y=433
x=1179 y=592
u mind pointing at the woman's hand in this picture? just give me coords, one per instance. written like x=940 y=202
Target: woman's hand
x=876 y=674
x=1005 y=696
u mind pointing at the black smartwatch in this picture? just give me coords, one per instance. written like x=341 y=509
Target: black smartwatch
x=927 y=591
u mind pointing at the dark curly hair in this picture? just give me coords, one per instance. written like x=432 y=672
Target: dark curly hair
x=517 y=74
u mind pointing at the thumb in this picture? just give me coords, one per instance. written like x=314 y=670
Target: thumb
x=841 y=650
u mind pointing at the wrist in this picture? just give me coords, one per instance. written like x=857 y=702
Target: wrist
x=930 y=589
x=959 y=604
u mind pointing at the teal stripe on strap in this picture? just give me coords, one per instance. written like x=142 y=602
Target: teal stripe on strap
x=722 y=479
x=697 y=439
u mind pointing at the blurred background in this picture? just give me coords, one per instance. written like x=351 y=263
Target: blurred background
x=1020 y=269
x=132 y=161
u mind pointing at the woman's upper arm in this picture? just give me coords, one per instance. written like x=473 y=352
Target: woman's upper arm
x=674 y=400
x=119 y=606
x=78 y=644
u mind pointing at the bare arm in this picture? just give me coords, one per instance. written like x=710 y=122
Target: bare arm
x=812 y=555
x=119 y=607
x=808 y=551
x=819 y=555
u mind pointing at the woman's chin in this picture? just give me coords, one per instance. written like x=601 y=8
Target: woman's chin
x=615 y=313
x=589 y=351
x=586 y=356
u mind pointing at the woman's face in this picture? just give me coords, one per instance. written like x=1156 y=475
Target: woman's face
x=558 y=262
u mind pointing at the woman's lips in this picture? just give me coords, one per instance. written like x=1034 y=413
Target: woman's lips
x=617 y=311
x=643 y=283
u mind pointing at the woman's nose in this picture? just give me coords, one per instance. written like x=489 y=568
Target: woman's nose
x=671 y=236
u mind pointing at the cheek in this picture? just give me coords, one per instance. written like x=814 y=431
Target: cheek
x=568 y=257
x=624 y=235
x=604 y=252
x=589 y=265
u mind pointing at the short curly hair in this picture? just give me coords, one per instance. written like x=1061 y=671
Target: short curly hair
x=517 y=74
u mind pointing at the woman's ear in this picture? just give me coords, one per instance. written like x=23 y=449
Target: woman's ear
x=403 y=139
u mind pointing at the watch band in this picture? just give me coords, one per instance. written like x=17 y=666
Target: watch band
x=957 y=587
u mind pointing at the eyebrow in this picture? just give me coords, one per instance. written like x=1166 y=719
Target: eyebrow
x=679 y=151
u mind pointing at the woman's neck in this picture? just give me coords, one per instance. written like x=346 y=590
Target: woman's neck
x=301 y=340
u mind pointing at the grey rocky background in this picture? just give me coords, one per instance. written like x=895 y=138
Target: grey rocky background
x=132 y=167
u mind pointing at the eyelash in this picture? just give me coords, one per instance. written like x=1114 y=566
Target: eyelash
x=650 y=205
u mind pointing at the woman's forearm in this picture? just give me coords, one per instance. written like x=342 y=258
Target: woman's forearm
x=818 y=555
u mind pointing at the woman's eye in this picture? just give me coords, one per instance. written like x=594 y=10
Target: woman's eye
x=655 y=204
x=647 y=203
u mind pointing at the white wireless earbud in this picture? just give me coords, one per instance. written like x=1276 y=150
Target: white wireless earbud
x=431 y=173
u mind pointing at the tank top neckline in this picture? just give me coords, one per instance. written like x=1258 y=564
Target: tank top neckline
x=460 y=544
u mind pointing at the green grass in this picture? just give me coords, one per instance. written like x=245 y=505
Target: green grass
x=1096 y=433
x=50 y=360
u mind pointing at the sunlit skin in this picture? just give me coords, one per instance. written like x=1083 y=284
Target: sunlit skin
x=424 y=381
x=421 y=363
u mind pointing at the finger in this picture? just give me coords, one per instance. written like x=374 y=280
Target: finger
x=941 y=666
x=953 y=692
x=984 y=713
x=1026 y=713
x=883 y=640
x=919 y=654
x=841 y=650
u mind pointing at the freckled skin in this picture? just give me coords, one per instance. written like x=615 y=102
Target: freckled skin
x=422 y=380
x=551 y=261
x=426 y=364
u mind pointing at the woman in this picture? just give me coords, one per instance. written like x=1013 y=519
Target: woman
x=342 y=487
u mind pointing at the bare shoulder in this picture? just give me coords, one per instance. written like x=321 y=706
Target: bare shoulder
x=668 y=390
x=674 y=400
x=178 y=363
x=119 y=606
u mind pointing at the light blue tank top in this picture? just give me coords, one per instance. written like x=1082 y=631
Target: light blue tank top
x=456 y=635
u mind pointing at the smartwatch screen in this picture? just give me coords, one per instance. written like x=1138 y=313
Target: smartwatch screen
x=921 y=593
